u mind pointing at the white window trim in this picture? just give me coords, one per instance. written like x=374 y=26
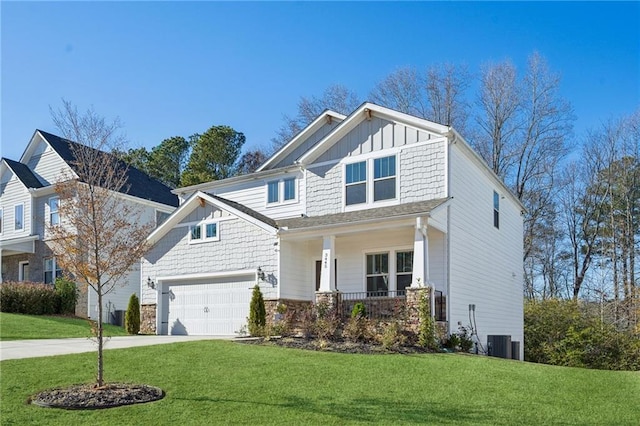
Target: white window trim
x=1 y=220
x=203 y=232
x=393 y=268
x=369 y=203
x=21 y=269
x=54 y=265
x=14 y=218
x=496 y=196
x=51 y=212
x=281 y=201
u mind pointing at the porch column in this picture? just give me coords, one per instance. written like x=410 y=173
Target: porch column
x=420 y=254
x=327 y=271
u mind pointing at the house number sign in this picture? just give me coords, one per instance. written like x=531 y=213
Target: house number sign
x=206 y=309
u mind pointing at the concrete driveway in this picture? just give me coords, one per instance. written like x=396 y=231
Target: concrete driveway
x=16 y=349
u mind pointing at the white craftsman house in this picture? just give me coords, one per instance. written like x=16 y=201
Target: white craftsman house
x=364 y=205
x=28 y=203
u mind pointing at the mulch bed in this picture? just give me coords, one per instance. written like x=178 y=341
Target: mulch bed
x=88 y=396
x=340 y=346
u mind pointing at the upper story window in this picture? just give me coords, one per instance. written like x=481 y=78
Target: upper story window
x=289 y=189
x=273 y=193
x=1 y=221
x=19 y=217
x=51 y=270
x=356 y=183
x=54 y=214
x=370 y=181
x=496 y=210
x=384 y=178
x=203 y=232
x=281 y=191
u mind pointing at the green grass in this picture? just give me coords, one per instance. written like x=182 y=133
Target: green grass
x=222 y=382
x=18 y=327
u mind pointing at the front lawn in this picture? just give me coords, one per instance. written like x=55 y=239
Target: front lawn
x=19 y=327
x=222 y=382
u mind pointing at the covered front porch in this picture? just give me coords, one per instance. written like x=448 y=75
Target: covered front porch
x=372 y=261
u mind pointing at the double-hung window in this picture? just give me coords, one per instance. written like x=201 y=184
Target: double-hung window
x=273 y=193
x=404 y=270
x=378 y=273
x=356 y=183
x=384 y=178
x=289 y=189
x=19 y=217
x=54 y=214
x=51 y=270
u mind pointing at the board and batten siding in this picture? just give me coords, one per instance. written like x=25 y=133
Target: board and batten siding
x=242 y=246
x=306 y=144
x=374 y=135
x=13 y=193
x=485 y=262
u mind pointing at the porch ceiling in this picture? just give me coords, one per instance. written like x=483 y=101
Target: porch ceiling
x=18 y=245
x=361 y=220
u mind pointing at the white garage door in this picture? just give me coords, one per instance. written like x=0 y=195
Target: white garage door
x=211 y=308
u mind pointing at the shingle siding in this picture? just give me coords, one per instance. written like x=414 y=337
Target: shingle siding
x=422 y=172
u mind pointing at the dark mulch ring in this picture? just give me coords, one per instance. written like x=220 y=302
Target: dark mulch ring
x=88 y=396
x=341 y=346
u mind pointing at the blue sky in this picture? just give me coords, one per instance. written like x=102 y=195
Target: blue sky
x=172 y=69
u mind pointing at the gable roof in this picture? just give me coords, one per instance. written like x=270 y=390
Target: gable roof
x=24 y=173
x=139 y=184
x=362 y=216
x=236 y=209
x=326 y=116
x=362 y=113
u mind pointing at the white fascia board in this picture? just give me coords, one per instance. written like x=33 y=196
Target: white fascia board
x=215 y=184
x=188 y=206
x=207 y=275
x=29 y=150
x=360 y=115
x=301 y=137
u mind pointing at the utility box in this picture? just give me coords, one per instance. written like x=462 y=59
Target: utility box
x=515 y=350
x=117 y=318
x=499 y=346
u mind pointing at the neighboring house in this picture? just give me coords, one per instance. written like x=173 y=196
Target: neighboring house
x=28 y=203
x=365 y=205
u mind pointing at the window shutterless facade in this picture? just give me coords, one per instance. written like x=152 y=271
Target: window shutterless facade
x=289 y=189
x=19 y=217
x=404 y=269
x=281 y=191
x=273 y=193
x=496 y=210
x=378 y=273
x=51 y=270
x=54 y=214
x=1 y=221
x=203 y=232
x=370 y=181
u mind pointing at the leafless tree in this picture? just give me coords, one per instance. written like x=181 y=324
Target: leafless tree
x=100 y=235
x=446 y=87
x=402 y=90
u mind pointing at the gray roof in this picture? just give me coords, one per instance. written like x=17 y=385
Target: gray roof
x=379 y=213
x=24 y=173
x=246 y=210
x=139 y=184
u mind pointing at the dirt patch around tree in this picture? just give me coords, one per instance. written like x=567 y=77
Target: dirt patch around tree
x=90 y=397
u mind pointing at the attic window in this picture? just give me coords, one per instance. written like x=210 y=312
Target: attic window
x=203 y=232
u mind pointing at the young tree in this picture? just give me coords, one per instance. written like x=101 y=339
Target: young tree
x=101 y=235
x=213 y=155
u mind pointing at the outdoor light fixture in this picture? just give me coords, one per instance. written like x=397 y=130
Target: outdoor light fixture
x=150 y=283
x=260 y=274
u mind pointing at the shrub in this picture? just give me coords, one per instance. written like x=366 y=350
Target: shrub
x=357 y=329
x=132 y=316
x=328 y=324
x=427 y=330
x=392 y=335
x=67 y=294
x=307 y=321
x=359 y=310
x=257 y=313
x=28 y=298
